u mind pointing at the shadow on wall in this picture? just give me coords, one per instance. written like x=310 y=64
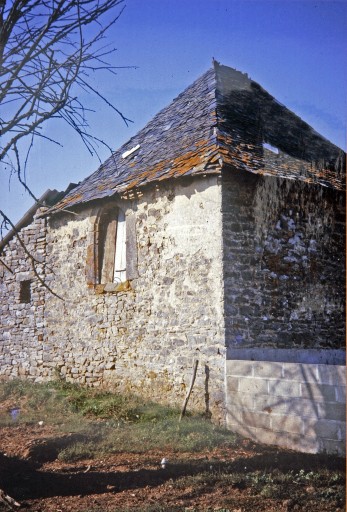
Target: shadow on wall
x=283 y=264
x=294 y=405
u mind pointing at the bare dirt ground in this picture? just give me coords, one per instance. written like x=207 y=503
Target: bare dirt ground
x=31 y=473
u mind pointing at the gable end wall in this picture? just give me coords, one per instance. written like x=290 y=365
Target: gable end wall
x=284 y=277
x=284 y=263
x=146 y=338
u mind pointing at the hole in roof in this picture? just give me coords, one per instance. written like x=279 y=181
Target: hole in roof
x=167 y=127
x=130 y=151
x=271 y=148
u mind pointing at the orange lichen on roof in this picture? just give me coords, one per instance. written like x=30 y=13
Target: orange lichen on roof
x=69 y=199
x=176 y=167
x=222 y=119
x=281 y=165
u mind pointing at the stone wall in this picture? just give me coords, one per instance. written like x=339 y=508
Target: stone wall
x=22 y=321
x=221 y=266
x=145 y=338
x=284 y=273
x=284 y=247
x=300 y=406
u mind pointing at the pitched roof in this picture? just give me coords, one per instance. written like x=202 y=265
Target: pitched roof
x=222 y=119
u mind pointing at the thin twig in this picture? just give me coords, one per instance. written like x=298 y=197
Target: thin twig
x=6 y=266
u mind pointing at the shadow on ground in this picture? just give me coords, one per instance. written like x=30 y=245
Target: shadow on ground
x=27 y=479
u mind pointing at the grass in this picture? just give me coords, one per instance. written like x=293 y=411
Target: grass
x=102 y=423
x=274 y=484
x=62 y=401
x=141 y=436
x=109 y=422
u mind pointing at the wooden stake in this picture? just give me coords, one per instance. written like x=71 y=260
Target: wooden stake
x=185 y=403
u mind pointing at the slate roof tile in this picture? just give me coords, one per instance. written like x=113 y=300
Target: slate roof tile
x=221 y=120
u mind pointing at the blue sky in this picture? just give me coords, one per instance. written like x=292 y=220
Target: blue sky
x=295 y=49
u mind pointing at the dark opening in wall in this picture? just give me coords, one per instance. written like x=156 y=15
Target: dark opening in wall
x=25 y=292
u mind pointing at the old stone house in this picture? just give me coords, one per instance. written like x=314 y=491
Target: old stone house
x=217 y=233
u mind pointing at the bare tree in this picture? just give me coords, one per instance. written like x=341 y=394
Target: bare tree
x=48 y=49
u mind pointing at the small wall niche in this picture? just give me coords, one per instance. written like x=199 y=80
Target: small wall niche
x=25 y=291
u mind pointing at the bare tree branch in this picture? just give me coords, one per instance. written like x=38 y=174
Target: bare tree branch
x=46 y=50
x=6 y=266
x=49 y=52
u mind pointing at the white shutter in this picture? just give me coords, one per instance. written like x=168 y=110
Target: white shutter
x=120 y=256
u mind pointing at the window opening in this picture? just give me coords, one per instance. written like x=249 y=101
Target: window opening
x=112 y=247
x=108 y=229
x=120 y=255
x=25 y=292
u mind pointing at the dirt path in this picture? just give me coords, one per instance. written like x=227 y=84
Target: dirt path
x=236 y=480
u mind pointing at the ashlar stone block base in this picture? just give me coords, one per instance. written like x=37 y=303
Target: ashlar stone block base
x=300 y=406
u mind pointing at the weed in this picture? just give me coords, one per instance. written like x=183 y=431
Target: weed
x=272 y=491
x=258 y=480
x=77 y=451
x=127 y=423
x=14 y=388
x=336 y=479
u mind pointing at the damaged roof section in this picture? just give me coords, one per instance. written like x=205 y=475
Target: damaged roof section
x=222 y=119
x=250 y=121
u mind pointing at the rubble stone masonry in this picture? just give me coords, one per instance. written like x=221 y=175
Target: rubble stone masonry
x=221 y=266
x=284 y=263
x=22 y=320
x=284 y=277
x=145 y=338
